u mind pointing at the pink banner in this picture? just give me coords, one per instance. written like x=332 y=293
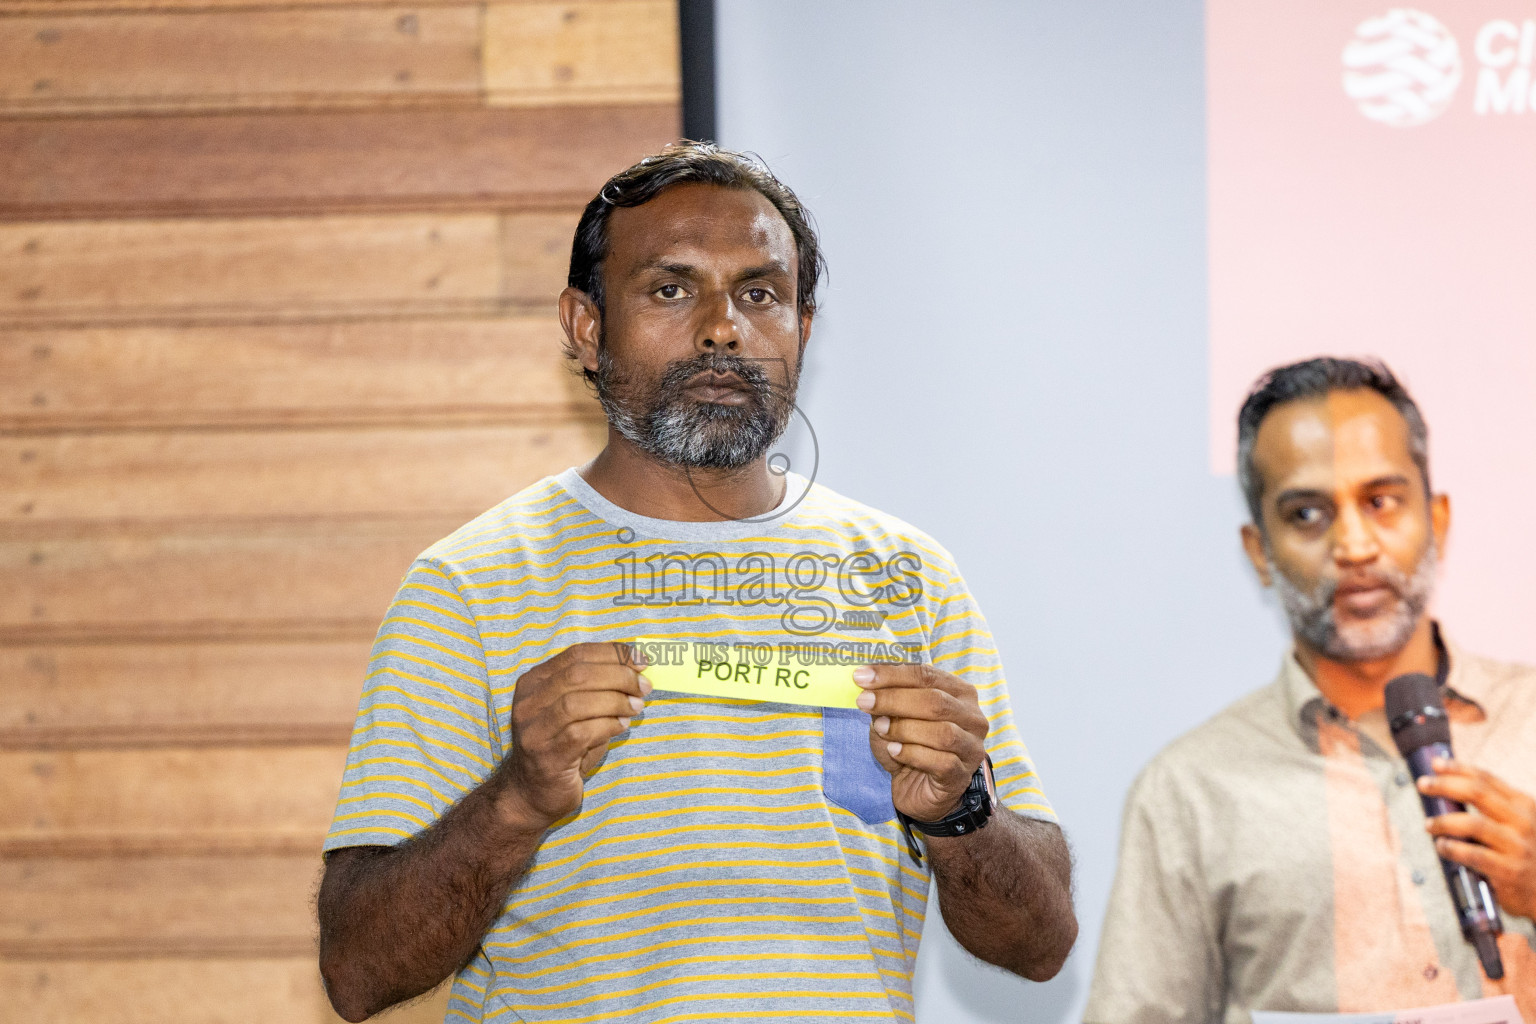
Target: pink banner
x=1373 y=192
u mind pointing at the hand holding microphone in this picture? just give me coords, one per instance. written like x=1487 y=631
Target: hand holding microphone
x=1499 y=841
x=1422 y=732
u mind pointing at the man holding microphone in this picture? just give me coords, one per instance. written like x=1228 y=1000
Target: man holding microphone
x=522 y=811
x=1278 y=857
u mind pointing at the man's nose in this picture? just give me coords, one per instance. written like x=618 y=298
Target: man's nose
x=1354 y=542
x=718 y=329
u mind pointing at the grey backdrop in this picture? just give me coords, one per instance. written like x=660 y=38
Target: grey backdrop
x=1013 y=357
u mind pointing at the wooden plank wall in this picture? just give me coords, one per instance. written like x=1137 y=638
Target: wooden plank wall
x=277 y=291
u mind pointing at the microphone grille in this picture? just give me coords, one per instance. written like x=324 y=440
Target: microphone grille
x=1408 y=697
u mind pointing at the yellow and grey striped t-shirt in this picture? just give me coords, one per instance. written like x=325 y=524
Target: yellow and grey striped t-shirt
x=731 y=859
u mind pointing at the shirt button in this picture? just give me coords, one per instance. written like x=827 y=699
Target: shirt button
x=1402 y=778
x=1418 y=879
x=1431 y=972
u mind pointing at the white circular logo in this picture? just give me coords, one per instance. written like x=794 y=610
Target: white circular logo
x=1402 y=68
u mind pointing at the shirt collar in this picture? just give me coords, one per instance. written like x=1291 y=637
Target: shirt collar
x=1304 y=701
x=1464 y=681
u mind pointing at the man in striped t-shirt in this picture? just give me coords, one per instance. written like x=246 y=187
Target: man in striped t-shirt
x=522 y=811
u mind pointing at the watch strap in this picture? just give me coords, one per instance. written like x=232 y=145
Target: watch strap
x=976 y=806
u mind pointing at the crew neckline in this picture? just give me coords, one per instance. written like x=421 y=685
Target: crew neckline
x=796 y=489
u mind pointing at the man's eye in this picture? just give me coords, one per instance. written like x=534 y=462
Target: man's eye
x=1307 y=515
x=1384 y=502
x=758 y=296
x=670 y=291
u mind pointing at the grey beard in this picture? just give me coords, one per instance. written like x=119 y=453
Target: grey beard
x=675 y=429
x=1314 y=619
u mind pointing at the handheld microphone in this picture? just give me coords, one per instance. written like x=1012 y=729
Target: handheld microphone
x=1422 y=733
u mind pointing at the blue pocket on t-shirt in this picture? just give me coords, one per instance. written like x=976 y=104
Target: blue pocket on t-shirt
x=850 y=775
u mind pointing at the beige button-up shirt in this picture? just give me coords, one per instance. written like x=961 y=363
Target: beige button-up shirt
x=1275 y=858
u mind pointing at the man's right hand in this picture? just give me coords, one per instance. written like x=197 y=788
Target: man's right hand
x=564 y=713
x=397 y=920
x=1496 y=835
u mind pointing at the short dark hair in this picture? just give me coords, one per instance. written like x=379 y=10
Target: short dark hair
x=684 y=163
x=1317 y=378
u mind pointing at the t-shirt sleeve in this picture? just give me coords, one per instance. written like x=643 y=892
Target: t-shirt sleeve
x=422 y=737
x=961 y=644
x=1159 y=956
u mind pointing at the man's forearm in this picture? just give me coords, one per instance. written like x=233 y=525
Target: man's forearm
x=395 y=921
x=1006 y=893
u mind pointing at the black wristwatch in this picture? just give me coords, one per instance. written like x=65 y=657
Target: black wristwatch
x=975 y=808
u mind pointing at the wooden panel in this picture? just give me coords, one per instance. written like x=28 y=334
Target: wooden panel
x=10 y=7
x=248 y=58
x=166 y=475
x=184 y=991
x=356 y=372
x=536 y=257
x=589 y=51
x=103 y=906
x=188 y=800
x=110 y=694
x=265 y=334
x=321 y=161
x=274 y=582
x=287 y=267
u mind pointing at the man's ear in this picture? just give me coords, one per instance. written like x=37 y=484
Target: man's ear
x=805 y=329
x=583 y=325
x=1253 y=547
x=1440 y=519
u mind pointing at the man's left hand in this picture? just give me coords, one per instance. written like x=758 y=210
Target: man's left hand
x=1502 y=834
x=927 y=730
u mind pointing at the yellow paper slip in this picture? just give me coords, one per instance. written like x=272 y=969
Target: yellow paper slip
x=807 y=674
